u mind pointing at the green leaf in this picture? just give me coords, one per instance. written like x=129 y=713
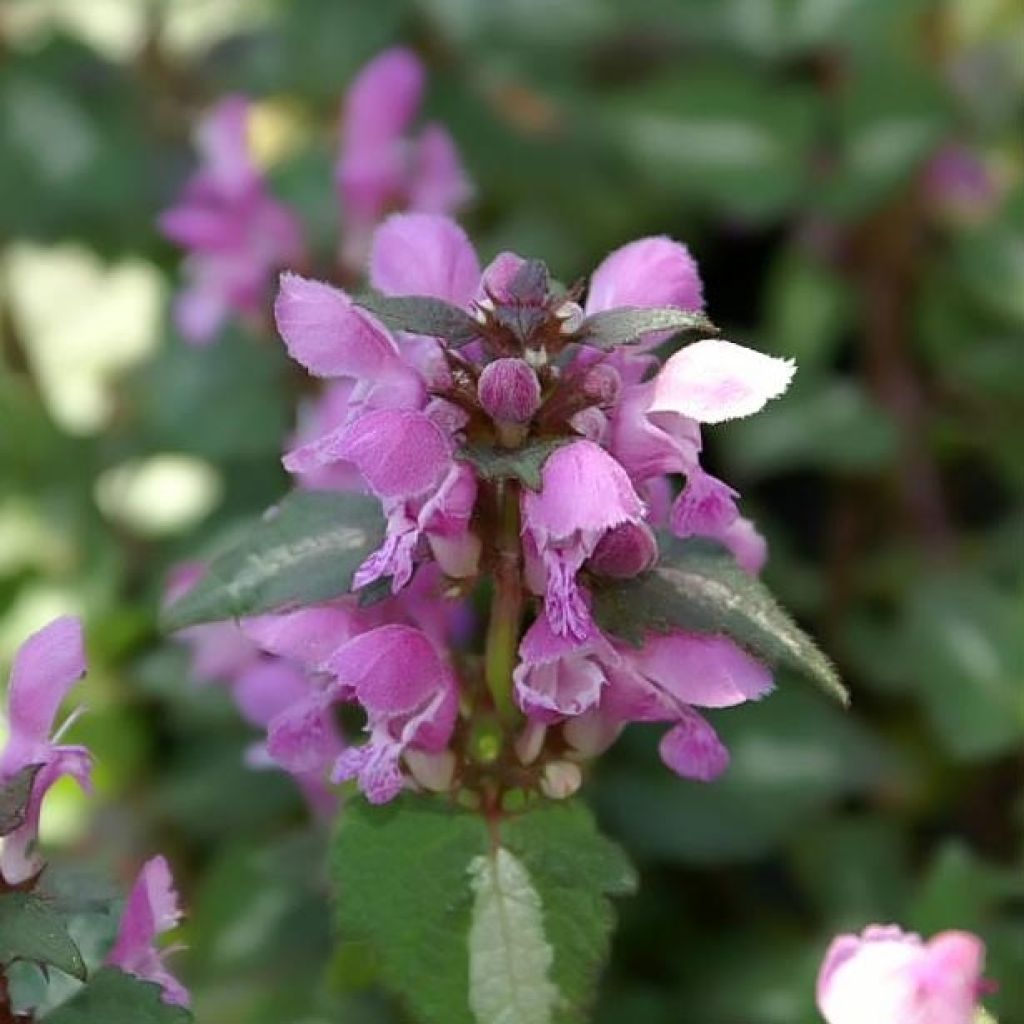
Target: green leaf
x=31 y=930
x=113 y=997
x=698 y=586
x=303 y=551
x=523 y=464
x=14 y=796
x=421 y=314
x=626 y=326
x=477 y=923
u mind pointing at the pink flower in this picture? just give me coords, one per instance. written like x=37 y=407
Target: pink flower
x=46 y=667
x=888 y=976
x=152 y=909
x=584 y=494
x=380 y=166
x=235 y=232
x=410 y=699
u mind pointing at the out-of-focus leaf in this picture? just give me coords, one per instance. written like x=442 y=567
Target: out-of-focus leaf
x=965 y=658
x=808 y=308
x=721 y=137
x=224 y=400
x=113 y=997
x=304 y=551
x=30 y=929
x=792 y=754
x=991 y=262
x=833 y=426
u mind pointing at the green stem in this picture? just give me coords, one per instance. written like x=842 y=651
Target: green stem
x=507 y=605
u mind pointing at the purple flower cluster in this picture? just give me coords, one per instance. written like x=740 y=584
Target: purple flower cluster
x=237 y=235
x=46 y=667
x=405 y=408
x=399 y=416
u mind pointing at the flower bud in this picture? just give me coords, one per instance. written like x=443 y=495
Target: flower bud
x=561 y=779
x=509 y=391
x=530 y=741
x=434 y=772
x=625 y=551
x=591 y=423
x=602 y=384
x=571 y=315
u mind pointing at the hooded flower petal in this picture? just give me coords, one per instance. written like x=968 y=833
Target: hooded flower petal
x=401 y=453
x=424 y=254
x=152 y=909
x=46 y=667
x=888 y=976
x=584 y=493
x=648 y=272
x=392 y=669
x=711 y=381
x=330 y=336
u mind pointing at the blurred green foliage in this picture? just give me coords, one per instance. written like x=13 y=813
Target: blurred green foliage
x=786 y=141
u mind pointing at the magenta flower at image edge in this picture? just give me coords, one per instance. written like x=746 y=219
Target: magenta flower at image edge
x=888 y=976
x=46 y=667
x=397 y=428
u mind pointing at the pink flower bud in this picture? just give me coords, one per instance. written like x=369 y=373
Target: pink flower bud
x=627 y=550
x=509 y=391
x=602 y=384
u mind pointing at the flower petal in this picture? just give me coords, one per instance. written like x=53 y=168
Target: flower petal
x=439 y=183
x=424 y=254
x=711 y=381
x=328 y=335
x=45 y=668
x=708 y=671
x=649 y=272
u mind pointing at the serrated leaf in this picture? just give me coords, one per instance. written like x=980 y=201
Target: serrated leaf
x=510 y=957
x=626 y=326
x=421 y=314
x=304 y=551
x=14 y=797
x=698 y=586
x=31 y=930
x=402 y=884
x=411 y=877
x=523 y=464
x=113 y=997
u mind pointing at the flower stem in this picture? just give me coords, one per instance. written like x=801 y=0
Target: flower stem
x=507 y=605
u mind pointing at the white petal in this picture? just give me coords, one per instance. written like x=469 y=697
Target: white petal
x=711 y=381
